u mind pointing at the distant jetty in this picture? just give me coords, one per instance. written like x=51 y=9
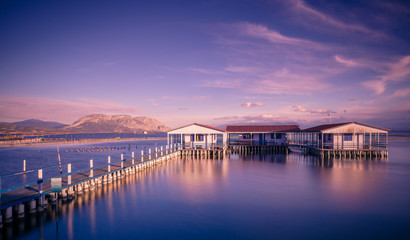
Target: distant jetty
x=42 y=141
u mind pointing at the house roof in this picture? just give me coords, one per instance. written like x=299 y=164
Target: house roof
x=263 y=128
x=335 y=125
x=201 y=125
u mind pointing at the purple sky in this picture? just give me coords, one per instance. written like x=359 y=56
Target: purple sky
x=213 y=62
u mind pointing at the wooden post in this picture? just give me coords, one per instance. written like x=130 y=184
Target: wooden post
x=109 y=163
x=133 y=155
x=91 y=168
x=378 y=141
x=40 y=180
x=24 y=166
x=149 y=153
x=122 y=160
x=142 y=155
x=69 y=176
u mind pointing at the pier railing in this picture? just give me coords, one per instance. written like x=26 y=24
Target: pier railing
x=34 y=182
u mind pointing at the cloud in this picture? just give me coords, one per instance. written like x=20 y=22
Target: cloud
x=262 y=32
x=181 y=98
x=402 y=92
x=378 y=86
x=52 y=109
x=286 y=82
x=298 y=108
x=254 y=104
x=396 y=72
x=206 y=71
x=399 y=70
x=222 y=83
x=241 y=69
x=252 y=119
x=347 y=62
x=310 y=14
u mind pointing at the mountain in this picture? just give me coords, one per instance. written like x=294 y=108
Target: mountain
x=39 y=123
x=116 y=123
x=8 y=128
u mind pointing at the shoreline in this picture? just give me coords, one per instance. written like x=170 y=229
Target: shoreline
x=81 y=141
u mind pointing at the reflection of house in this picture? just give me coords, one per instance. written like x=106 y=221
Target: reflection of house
x=260 y=134
x=198 y=136
x=342 y=136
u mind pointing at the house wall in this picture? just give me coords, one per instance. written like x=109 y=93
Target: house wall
x=340 y=142
x=209 y=137
x=354 y=128
x=255 y=138
x=357 y=131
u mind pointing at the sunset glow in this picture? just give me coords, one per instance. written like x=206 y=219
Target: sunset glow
x=213 y=62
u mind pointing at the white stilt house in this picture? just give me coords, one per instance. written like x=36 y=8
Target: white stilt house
x=198 y=136
x=342 y=136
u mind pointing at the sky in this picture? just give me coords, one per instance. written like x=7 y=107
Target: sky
x=213 y=62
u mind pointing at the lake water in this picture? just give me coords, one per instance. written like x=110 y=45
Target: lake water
x=242 y=197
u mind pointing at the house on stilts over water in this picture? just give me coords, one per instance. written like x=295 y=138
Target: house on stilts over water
x=260 y=138
x=199 y=139
x=344 y=140
x=339 y=140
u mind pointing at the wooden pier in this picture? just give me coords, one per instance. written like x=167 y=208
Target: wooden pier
x=212 y=153
x=249 y=149
x=350 y=153
x=17 y=203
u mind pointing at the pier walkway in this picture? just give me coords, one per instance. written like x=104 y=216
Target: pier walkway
x=13 y=200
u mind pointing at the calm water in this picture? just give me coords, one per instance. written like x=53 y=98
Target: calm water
x=79 y=155
x=243 y=197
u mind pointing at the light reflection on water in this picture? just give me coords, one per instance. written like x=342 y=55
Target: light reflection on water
x=246 y=197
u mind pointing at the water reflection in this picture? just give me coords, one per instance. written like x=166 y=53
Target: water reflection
x=253 y=196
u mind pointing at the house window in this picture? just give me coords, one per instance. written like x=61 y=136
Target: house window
x=199 y=138
x=347 y=137
x=246 y=136
x=272 y=136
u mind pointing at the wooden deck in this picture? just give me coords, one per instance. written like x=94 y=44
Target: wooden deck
x=25 y=194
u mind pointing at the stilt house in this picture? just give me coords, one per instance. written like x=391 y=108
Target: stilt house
x=342 y=136
x=260 y=134
x=198 y=136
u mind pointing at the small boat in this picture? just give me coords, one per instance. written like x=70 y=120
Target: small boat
x=296 y=149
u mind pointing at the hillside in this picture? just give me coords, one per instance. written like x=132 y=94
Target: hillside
x=39 y=123
x=116 y=123
x=8 y=128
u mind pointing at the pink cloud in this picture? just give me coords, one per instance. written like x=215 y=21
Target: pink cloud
x=310 y=14
x=396 y=72
x=402 y=92
x=254 y=104
x=298 y=108
x=206 y=71
x=242 y=69
x=221 y=83
x=286 y=82
x=399 y=70
x=378 y=86
x=66 y=111
x=347 y=62
x=262 y=32
x=250 y=119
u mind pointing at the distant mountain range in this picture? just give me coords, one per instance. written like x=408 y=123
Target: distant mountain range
x=94 y=123
x=39 y=123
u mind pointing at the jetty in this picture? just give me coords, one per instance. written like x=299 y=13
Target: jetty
x=18 y=201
